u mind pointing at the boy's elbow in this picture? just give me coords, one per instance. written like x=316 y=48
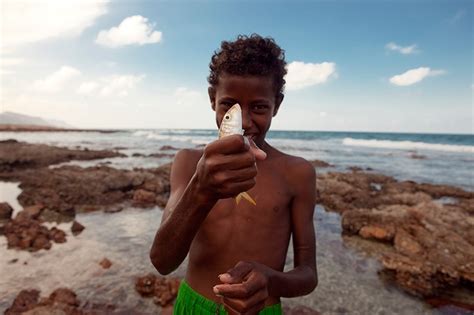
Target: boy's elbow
x=159 y=264
x=314 y=282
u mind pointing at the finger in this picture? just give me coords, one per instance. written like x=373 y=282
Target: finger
x=228 y=145
x=259 y=153
x=234 y=176
x=233 y=189
x=234 y=161
x=236 y=274
x=236 y=291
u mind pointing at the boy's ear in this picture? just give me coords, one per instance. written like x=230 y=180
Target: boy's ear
x=212 y=97
x=279 y=99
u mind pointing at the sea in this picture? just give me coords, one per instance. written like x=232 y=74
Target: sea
x=348 y=273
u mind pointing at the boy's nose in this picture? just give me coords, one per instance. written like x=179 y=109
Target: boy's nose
x=246 y=120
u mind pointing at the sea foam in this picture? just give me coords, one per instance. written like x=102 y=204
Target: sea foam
x=407 y=145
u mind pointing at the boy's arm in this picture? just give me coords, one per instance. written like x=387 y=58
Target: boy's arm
x=248 y=284
x=198 y=181
x=181 y=217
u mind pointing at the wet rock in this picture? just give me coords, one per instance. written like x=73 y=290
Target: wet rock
x=105 y=263
x=406 y=244
x=319 y=163
x=162 y=200
x=24 y=301
x=64 y=296
x=432 y=243
x=378 y=233
x=69 y=189
x=144 y=197
x=33 y=211
x=77 y=228
x=28 y=234
x=57 y=235
x=168 y=147
x=48 y=215
x=145 y=285
x=416 y=156
x=160 y=155
x=354 y=168
x=163 y=290
x=21 y=155
x=113 y=209
x=62 y=301
x=5 y=211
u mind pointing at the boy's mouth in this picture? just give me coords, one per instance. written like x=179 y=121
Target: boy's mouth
x=251 y=136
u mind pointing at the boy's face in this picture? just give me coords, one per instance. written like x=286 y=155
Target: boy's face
x=256 y=96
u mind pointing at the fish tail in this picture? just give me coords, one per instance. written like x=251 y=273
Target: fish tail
x=246 y=196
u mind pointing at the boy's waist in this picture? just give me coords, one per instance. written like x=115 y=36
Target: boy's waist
x=192 y=298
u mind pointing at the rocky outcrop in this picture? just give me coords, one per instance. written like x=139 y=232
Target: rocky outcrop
x=70 y=189
x=432 y=243
x=163 y=290
x=5 y=211
x=76 y=228
x=25 y=232
x=62 y=301
x=15 y=155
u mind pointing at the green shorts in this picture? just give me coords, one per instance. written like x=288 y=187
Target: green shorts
x=189 y=302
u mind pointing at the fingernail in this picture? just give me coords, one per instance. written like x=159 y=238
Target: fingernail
x=224 y=276
x=246 y=140
x=216 y=291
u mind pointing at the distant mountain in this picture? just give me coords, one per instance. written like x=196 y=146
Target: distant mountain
x=11 y=118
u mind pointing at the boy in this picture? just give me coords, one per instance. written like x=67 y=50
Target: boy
x=237 y=251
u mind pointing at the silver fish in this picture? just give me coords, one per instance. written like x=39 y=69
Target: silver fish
x=232 y=124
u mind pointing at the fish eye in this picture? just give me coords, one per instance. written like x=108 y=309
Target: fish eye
x=227 y=117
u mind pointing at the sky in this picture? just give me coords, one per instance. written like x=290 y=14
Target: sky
x=381 y=66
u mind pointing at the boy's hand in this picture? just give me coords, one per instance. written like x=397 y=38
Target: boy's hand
x=245 y=288
x=227 y=167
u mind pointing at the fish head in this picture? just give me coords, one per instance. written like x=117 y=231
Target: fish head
x=231 y=122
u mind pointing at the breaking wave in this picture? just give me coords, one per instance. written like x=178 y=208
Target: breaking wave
x=407 y=145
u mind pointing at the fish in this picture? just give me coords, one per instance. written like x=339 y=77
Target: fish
x=232 y=124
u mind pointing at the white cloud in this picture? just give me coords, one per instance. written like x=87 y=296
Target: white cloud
x=132 y=30
x=57 y=80
x=407 y=50
x=414 y=75
x=29 y=21
x=301 y=75
x=87 y=87
x=7 y=63
x=185 y=96
x=120 y=84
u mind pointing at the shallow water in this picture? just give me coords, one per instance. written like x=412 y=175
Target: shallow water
x=348 y=281
x=9 y=192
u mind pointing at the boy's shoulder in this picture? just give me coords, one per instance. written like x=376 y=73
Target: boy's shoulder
x=294 y=167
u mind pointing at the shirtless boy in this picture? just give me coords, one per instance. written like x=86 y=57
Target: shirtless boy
x=237 y=251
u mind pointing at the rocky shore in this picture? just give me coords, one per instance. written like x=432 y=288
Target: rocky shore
x=427 y=231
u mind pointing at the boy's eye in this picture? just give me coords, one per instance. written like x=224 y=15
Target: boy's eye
x=260 y=108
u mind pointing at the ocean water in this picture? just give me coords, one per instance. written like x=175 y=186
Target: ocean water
x=348 y=280
x=431 y=158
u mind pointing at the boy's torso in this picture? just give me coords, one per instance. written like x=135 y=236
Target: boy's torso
x=232 y=232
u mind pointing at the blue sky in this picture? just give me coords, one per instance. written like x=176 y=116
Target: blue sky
x=397 y=66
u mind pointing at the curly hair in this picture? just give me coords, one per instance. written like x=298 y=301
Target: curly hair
x=249 y=55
